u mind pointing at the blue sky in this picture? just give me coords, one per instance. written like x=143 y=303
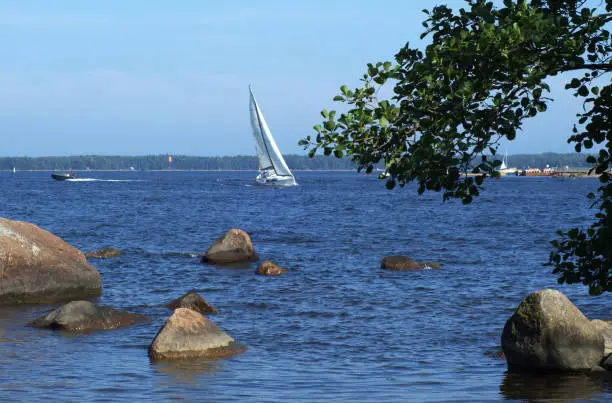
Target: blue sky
x=120 y=77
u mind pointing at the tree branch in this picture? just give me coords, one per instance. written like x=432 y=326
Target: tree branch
x=596 y=66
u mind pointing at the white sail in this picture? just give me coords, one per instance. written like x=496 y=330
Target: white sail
x=271 y=160
x=264 y=160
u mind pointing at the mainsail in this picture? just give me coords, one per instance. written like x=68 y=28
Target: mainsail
x=268 y=154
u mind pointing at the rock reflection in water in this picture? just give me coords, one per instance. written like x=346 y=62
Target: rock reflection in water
x=555 y=388
x=187 y=371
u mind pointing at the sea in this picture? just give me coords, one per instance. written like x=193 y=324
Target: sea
x=336 y=327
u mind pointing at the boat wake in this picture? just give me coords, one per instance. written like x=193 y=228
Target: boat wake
x=101 y=180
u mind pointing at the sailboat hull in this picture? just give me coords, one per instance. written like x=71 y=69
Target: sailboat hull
x=275 y=180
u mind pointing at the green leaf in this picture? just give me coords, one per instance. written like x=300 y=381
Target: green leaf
x=575 y=83
x=537 y=93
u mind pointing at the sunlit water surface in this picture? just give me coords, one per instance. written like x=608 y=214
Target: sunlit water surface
x=336 y=328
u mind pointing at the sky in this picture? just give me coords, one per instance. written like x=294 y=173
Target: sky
x=143 y=77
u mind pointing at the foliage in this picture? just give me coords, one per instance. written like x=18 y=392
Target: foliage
x=481 y=76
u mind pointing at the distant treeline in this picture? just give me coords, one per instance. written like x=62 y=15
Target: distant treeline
x=158 y=162
x=240 y=162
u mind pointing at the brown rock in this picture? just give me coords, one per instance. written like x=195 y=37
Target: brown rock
x=78 y=316
x=234 y=246
x=188 y=334
x=193 y=301
x=547 y=333
x=268 y=268
x=399 y=263
x=39 y=267
x=103 y=253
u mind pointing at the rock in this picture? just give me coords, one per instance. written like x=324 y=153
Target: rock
x=103 y=253
x=188 y=334
x=607 y=362
x=606 y=331
x=547 y=333
x=268 y=268
x=193 y=301
x=497 y=353
x=399 y=263
x=234 y=246
x=39 y=267
x=78 y=316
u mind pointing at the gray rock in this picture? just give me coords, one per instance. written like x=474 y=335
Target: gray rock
x=235 y=246
x=78 y=316
x=39 y=267
x=606 y=331
x=187 y=334
x=193 y=301
x=547 y=333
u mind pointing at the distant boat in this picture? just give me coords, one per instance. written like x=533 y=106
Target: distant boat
x=503 y=169
x=14 y=170
x=63 y=177
x=273 y=169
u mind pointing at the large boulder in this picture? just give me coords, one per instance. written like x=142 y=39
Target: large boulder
x=188 y=334
x=268 y=268
x=103 y=253
x=78 y=316
x=192 y=300
x=547 y=333
x=39 y=267
x=606 y=331
x=235 y=246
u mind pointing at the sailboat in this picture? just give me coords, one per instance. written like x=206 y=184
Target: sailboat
x=503 y=169
x=273 y=169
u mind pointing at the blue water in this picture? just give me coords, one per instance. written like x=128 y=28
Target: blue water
x=336 y=328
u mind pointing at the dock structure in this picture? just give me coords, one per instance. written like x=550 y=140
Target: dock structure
x=569 y=172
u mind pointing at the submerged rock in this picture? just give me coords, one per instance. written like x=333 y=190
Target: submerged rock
x=268 y=268
x=547 y=333
x=234 y=246
x=78 y=316
x=193 y=301
x=188 y=334
x=39 y=267
x=103 y=253
x=399 y=263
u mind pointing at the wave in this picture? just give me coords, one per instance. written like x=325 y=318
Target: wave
x=102 y=180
